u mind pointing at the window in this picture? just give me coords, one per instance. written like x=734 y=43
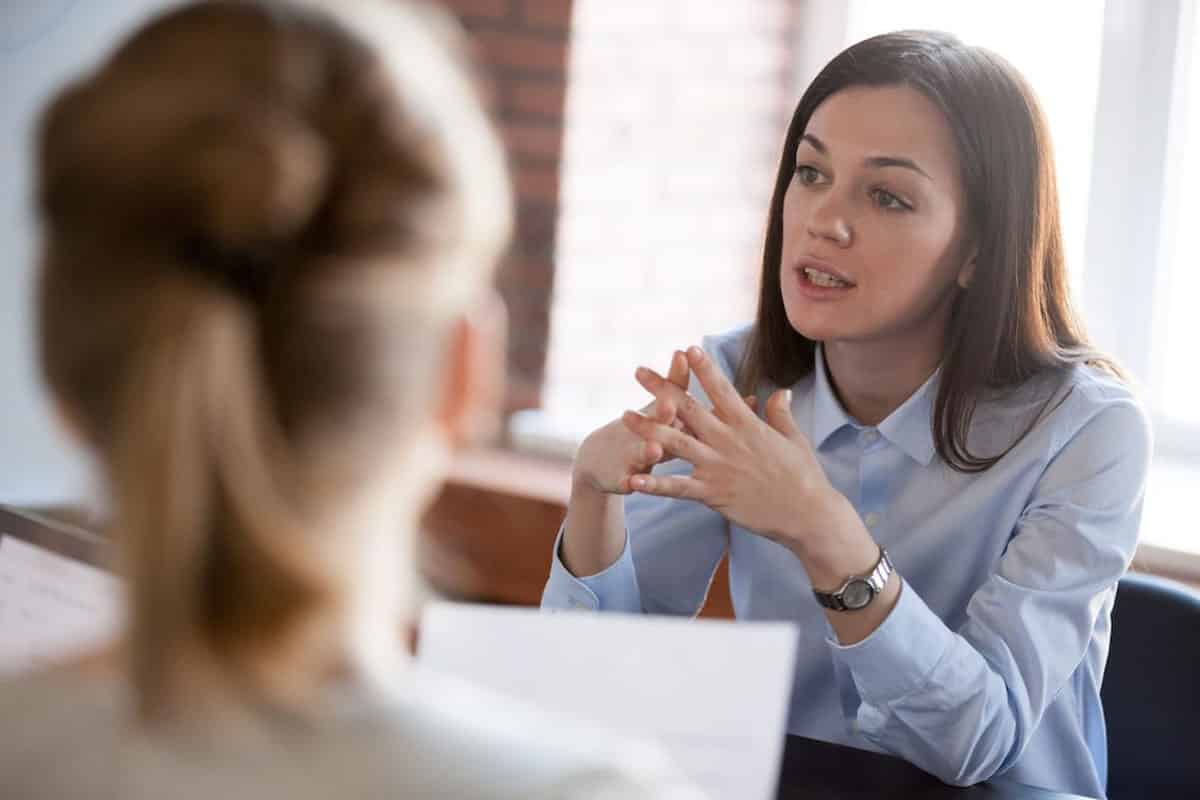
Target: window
x=674 y=117
x=1170 y=292
x=1120 y=88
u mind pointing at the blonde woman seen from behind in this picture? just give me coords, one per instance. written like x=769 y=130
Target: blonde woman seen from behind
x=268 y=237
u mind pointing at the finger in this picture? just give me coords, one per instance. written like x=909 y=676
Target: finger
x=678 y=375
x=672 y=442
x=779 y=413
x=726 y=401
x=645 y=453
x=693 y=414
x=679 y=372
x=664 y=411
x=681 y=486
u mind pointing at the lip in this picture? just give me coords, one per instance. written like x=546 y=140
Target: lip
x=824 y=266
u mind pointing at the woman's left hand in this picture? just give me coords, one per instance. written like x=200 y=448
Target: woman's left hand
x=762 y=476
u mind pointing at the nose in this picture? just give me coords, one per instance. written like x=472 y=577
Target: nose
x=828 y=221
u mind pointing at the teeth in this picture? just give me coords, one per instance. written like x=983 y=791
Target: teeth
x=823 y=278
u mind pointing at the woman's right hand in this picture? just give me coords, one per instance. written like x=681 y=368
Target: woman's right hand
x=611 y=455
x=594 y=531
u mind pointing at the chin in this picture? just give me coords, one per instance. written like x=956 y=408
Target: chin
x=817 y=330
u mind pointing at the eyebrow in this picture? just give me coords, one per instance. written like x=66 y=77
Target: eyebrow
x=873 y=161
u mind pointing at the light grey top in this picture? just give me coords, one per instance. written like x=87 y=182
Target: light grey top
x=65 y=736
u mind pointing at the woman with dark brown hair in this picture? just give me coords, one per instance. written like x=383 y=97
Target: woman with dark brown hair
x=946 y=481
x=269 y=232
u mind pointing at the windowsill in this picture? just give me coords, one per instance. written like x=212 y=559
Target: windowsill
x=551 y=437
x=1175 y=564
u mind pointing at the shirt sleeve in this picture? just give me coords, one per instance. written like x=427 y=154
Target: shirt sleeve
x=613 y=589
x=672 y=548
x=1028 y=626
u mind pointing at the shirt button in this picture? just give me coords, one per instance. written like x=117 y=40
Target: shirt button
x=870 y=436
x=871 y=520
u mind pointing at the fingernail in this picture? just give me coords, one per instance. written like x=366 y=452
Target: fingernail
x=787 y=397
x=695 y=354
x=637 y=482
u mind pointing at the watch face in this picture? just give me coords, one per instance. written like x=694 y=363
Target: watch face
x=857 y=594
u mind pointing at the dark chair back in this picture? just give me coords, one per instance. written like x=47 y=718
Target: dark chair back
x=1151 y=691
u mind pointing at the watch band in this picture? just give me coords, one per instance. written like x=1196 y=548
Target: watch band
x=859 y=590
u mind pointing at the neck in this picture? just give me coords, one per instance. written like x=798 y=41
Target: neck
x=874 y=379
x=382 y=603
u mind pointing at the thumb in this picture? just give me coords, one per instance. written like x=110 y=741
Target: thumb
x=779 y=413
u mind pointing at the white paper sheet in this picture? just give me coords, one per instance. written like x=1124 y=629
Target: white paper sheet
x=714 y=694
x=50 y=606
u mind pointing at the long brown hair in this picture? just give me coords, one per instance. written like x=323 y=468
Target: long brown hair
x=1016 y=320
x=259 y=224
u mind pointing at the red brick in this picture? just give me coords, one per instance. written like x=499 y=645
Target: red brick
x=529 y=281
x=537 y=183
x=522 y=51
x=554 y=14
x=545 y=99
x=471 y=11
x=536 y=228
x=522 y=393
x=538 y=142
x=526 y=273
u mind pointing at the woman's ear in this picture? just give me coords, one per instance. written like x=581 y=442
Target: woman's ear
x=473 y=391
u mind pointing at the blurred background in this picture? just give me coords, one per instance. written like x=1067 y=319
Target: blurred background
x=643 y=137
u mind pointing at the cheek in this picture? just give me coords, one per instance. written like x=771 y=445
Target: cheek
x=920 y=254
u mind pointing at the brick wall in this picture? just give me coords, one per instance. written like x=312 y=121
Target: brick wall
x=676 y=114
x=521 y=47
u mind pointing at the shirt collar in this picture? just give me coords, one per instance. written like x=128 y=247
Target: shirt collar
x=909 y=427
x=828 y=415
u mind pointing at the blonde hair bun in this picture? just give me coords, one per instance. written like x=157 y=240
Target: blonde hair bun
x=258 y=181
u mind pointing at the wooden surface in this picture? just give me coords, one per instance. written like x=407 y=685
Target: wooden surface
x=489 y=535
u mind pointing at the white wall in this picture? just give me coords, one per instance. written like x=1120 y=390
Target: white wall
x=42 y=44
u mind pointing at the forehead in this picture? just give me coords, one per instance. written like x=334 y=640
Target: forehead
x=865 y=121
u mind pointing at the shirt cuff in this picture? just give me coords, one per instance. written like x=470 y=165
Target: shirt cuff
x=613 y=589
x=898 y=657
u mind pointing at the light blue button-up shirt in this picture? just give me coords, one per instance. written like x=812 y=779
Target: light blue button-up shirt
x=991 y=661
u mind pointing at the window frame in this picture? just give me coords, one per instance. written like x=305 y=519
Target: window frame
x=1141 y=108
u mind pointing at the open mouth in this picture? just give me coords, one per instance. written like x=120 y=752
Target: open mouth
x=824 y=280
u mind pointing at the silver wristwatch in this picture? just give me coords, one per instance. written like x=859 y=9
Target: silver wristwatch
x=859 y=590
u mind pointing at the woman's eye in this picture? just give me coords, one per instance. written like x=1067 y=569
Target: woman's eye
x=887 y=200
x=808 y=175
